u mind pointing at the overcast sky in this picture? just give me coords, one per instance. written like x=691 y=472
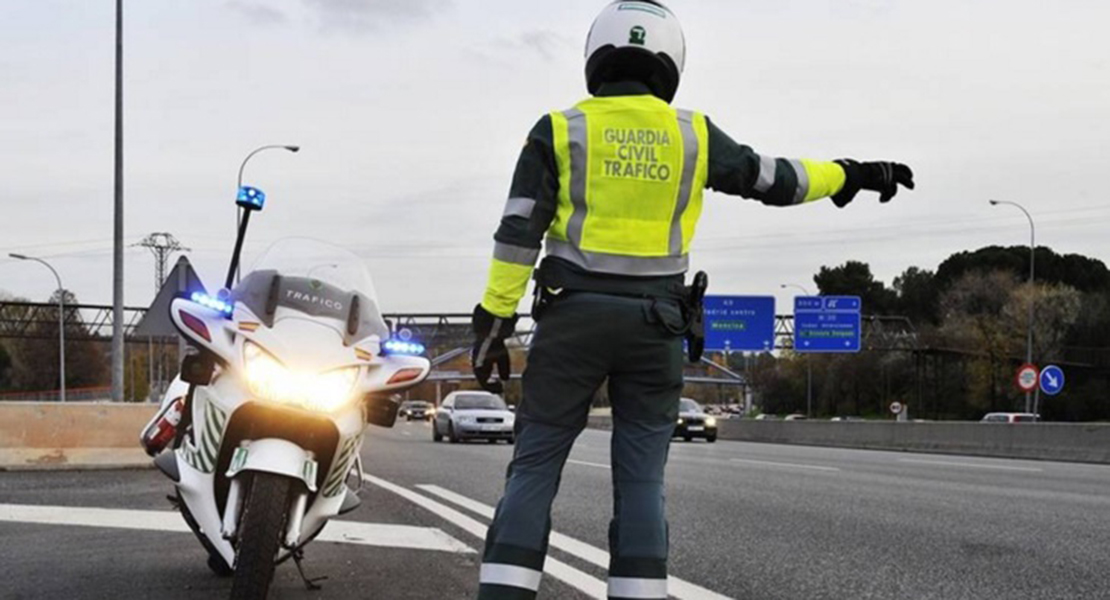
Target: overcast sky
x=411 y=114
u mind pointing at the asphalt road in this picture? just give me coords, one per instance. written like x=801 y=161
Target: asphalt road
x=748 y=521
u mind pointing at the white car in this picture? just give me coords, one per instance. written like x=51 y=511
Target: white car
x=473 y=415
x=1005 y=417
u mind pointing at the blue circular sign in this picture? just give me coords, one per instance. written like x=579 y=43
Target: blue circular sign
x=1052 y=380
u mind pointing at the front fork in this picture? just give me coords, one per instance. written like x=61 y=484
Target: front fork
x=297 y=509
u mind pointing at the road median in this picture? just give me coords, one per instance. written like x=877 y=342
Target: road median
x=1069 y=442
x=76 y=435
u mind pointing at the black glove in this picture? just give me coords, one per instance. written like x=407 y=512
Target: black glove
x=490 y=332
x=882 y=177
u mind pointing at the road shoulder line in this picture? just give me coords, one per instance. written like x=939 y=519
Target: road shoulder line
x=676 y=587
x=575 y=578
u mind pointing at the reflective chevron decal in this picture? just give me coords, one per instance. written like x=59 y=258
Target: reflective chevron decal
x=203 y=455
x=341 y=466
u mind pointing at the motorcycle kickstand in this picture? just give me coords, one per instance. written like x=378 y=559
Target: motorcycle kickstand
x=298 y=556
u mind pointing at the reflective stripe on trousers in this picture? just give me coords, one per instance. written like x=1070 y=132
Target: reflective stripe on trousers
x=633 y=587
x=510 y=575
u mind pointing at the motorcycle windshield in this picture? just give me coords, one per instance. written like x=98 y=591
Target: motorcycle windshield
x=317 y=279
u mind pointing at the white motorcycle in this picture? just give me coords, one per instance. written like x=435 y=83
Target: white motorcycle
x=285 y=372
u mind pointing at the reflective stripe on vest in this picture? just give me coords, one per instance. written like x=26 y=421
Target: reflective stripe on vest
x=632 y=172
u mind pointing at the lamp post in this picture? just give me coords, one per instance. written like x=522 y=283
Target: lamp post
x=809 y=363
x=1032 y=291
x=256 y=151
x=61 y=320
x=243 y=166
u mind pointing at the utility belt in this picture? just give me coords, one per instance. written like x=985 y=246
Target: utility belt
x=555 y=281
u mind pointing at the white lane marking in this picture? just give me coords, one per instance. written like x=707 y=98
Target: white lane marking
x=678 y=588
x=392 y=536
x=764 y=463
x=946 y=463
x=587 y=464
x=144 y=520
x=406 y=433
x=341 y=532
x=589 y=585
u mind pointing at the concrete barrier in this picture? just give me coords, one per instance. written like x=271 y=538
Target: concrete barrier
x=51 y=435
x=1072 y=442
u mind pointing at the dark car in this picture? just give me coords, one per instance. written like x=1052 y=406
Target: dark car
x=694 y=423
x=417 y=409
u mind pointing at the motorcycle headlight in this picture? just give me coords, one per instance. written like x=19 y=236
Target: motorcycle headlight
x=270 y=380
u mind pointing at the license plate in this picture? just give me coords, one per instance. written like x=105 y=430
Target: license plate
x=695 y=428
x=491 y=427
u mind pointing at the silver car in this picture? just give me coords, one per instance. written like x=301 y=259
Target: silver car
x=473 y=415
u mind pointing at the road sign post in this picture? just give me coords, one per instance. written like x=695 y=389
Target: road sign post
x=740 y=323
x=827 y=324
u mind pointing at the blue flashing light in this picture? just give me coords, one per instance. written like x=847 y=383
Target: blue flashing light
x=225 y=308
x=405 y=348
x=251 y=198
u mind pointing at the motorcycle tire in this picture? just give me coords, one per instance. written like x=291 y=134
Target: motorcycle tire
x=260 y=533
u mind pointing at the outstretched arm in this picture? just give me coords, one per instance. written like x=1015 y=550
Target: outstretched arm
x=738 y=170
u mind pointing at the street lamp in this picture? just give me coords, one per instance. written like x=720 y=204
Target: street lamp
x=239 y=181
x=61 y=319
x=256 y=151
x=1032 y=291
x=809 y=363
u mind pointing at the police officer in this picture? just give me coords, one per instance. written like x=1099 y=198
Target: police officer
x=614 y=187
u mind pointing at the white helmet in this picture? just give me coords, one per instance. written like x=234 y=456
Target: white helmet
x=636 y=39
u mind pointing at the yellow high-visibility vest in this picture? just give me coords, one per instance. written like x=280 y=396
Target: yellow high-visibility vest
x=632 y=172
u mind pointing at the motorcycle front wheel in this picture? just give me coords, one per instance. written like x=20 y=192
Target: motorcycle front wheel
x=261 y=528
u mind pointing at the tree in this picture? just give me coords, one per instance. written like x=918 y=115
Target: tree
x=1056 y=309
x=5 y=368
x=918 y=296
x=1080 y=272
x=36 y=359
x=854 y=278
x=975 y=319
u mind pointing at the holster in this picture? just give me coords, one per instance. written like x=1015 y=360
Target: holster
x=694 y=307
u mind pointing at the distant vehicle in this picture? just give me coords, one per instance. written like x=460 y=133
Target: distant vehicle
x=846 y=419
x=1009 y=417
x=693 y=422
x=766 y=417
x=473 y=415
x=796 y=417
x=417 y=409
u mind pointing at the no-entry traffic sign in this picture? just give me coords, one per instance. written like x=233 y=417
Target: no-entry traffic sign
x=1027 y=377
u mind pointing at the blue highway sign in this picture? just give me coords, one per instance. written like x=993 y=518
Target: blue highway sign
x=827 y=324
x=1052 y=380
x=739 y=323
